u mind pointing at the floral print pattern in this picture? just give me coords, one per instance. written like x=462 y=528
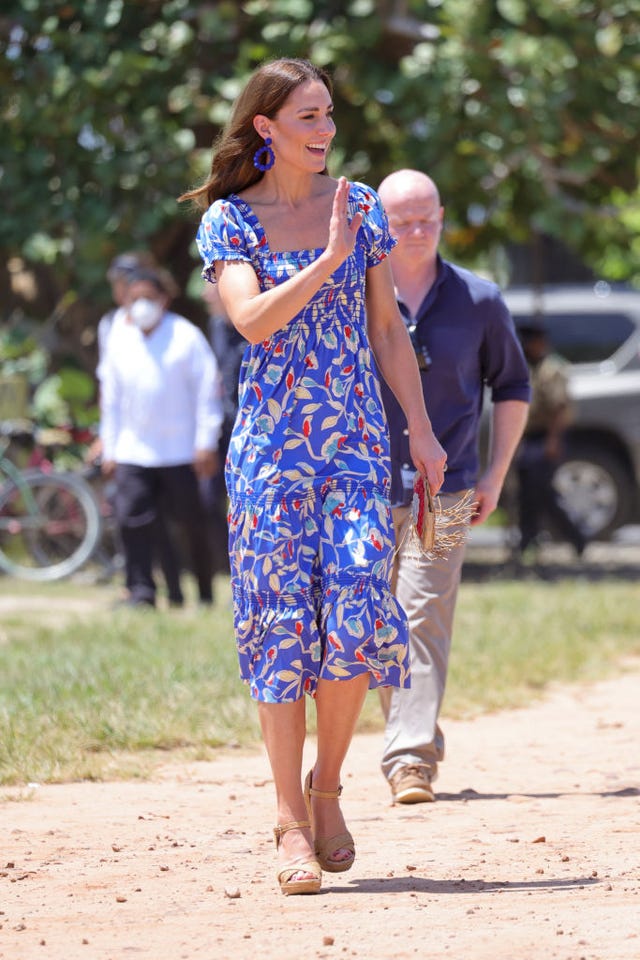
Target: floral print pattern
x=307 y=471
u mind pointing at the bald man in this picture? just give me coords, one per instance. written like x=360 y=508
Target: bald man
x=464 y=339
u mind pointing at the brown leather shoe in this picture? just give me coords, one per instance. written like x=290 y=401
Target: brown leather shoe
x=411 y=784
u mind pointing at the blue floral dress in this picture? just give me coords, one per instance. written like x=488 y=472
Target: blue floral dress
x=307 y=471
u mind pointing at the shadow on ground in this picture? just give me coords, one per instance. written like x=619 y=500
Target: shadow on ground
x=477 y=571
x=490 y=557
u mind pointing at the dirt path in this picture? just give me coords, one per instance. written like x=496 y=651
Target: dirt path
x=532 y=852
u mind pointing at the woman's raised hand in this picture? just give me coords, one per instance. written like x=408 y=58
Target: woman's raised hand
x=342 y=234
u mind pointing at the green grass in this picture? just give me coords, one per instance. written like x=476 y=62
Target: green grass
x=91 y=693
x=514 y=639
x=95 y=693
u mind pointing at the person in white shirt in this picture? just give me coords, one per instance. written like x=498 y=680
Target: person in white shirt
x=161 y=414
x=121 y=270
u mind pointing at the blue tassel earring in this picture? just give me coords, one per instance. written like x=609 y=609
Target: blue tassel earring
x=270 y=157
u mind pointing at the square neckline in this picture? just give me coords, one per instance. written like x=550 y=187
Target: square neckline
x=257 y=225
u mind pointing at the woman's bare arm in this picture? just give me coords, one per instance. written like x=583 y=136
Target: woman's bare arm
x=257 y=314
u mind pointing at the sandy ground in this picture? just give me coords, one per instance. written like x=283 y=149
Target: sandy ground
x=532 y=851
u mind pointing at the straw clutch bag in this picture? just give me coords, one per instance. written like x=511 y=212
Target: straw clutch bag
x=423 y=513
x=432 y=531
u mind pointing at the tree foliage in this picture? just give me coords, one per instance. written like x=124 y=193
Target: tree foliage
x=534 y=125
x=526 y=112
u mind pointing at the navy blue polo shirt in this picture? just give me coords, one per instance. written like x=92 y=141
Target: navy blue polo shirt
x=470 y=337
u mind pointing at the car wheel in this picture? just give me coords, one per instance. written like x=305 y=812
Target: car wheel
x=595 y=490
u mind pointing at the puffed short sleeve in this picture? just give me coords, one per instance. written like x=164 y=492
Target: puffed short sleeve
x=375 y=225
x=222 y=235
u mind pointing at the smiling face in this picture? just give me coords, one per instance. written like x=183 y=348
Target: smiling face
x=302 y=130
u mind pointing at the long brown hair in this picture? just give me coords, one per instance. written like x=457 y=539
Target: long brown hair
x=267 y=89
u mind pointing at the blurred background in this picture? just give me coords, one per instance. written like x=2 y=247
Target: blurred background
x=525 y=112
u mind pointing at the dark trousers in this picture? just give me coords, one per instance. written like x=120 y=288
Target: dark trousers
x=214 y=498
x=142 y=495
x=166 y=553
x=538 y=498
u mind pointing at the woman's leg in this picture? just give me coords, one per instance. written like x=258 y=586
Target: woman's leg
x=338 y=705
x=283 y=731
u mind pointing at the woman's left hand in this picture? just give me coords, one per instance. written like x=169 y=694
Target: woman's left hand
x=428 y=456
x=342 y=232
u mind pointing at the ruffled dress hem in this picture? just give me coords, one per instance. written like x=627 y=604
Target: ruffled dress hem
x=287 y=643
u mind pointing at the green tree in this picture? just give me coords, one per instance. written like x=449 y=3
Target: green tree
x=530 y=121
x=526 y=112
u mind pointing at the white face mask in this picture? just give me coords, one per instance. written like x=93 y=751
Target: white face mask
x=145 y=314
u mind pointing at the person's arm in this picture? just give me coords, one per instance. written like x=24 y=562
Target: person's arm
x=109 y=413
x=504 y=370
x=560 y=420
x=507 y=425
x=556 y=393
x=258 y=314
x=397 y=362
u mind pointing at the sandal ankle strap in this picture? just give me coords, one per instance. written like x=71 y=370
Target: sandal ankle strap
x=280 y=829
x=326 y=794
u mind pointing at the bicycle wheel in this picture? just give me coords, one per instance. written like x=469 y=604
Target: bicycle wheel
x=49 y=525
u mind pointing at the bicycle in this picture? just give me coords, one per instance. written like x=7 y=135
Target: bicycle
x=50 y=521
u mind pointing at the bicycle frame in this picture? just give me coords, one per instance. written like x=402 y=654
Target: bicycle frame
x=14 y=475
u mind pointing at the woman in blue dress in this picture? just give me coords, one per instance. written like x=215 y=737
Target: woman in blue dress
x=300 y=260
